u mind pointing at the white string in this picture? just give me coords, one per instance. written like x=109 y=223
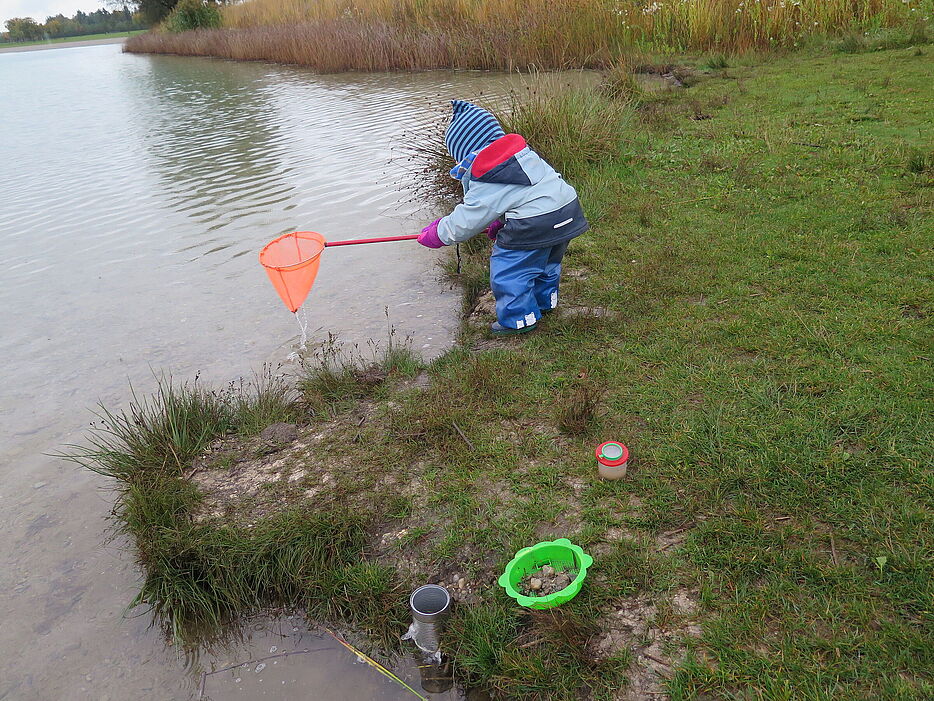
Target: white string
x=302 y=318
x=303 y=325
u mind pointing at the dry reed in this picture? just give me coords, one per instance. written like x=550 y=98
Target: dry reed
x=373 y=35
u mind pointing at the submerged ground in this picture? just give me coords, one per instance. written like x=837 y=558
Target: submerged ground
x=750 y=313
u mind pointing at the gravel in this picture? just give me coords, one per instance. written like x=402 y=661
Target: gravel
x=545 y=581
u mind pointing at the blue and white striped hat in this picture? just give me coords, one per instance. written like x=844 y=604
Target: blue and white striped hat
x=470 y=130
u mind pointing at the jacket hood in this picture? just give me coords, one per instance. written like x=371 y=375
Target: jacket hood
x=501 y=162
x=471 y=129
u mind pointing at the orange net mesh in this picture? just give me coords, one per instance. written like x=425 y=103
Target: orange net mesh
x=292 y=261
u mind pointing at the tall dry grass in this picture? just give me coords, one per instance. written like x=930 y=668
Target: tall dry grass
x=335 y=35
x=591 y=27
x=329 y=46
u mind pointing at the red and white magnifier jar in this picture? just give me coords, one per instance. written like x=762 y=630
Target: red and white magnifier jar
x=611 y=460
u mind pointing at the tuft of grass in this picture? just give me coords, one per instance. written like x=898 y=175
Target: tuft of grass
x=270 y=398
x=576 y=410
x=619 y=82
x=516 y=654
x=335 y=378
x=160 y=434
x=571 y=126
x=716 y=62
x=853 y=43
x=199 y=578
x=919 y=162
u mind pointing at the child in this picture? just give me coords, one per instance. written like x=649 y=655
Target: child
x=524 y=206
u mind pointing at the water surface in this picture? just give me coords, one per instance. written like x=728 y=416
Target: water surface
x=137 y=192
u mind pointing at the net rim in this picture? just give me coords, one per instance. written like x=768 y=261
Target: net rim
x=307 y=235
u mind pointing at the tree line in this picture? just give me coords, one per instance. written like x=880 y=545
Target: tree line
x=82 y=23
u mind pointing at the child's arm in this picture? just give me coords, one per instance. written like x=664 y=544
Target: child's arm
x=483 y=203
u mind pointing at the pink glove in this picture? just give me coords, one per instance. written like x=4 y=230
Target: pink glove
x=493 y=229
x=429 y=236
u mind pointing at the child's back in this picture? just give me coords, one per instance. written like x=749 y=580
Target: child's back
x=522 y=202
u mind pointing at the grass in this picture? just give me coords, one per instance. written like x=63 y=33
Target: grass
x=379 y=35
x=69 y=40
x=570 y=127
x=337 y=378
x=761 y=256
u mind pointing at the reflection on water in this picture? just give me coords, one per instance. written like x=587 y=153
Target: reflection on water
x=219 y=149
x=136 y=193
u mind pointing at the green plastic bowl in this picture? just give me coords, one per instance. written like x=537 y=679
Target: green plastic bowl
x=561 y=554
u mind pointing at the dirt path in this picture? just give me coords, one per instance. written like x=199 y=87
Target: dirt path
x=62 y=45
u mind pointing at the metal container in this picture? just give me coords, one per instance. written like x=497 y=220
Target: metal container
x=430 y=604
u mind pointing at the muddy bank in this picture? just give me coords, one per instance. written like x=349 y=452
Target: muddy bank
x=386 y=464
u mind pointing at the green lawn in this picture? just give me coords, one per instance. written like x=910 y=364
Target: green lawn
x=69 y=40
x=755 y=301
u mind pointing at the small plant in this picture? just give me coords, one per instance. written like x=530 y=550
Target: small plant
x=919 y=162
x=193 y=14
x=577 y=407
x=268 y=399
x=881 y=562
x=424 y=156
x=332 y=379
x=562 y=627
x=853 y=43
x=620 y=82
x=159 y=434
x=572 y=127
x=717 y=62
x=646 y=214
x=335 y=378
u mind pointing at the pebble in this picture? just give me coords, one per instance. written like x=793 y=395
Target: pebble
x=461 y=583
x=39 y=485
x=535 y=584
x=548 y=570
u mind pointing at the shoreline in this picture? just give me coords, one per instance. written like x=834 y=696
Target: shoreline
x=62 y=45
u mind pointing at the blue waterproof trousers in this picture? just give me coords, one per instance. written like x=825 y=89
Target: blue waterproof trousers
x=524 y=283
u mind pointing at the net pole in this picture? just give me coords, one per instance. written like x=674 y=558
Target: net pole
x=382 y=239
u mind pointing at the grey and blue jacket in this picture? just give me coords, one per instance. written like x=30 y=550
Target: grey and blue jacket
x=507 y=180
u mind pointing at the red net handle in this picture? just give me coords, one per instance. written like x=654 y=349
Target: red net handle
x=376 y=240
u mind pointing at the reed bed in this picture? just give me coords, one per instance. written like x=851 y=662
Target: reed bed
x=338 y=35
x=593 y=26
x=332 y=46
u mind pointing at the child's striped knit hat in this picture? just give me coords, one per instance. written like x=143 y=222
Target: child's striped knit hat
x=470 y=130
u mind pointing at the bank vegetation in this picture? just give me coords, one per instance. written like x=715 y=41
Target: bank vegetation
x=378 y=35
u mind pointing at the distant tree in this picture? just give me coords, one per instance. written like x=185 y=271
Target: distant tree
x=56 y=26
x=154 y=11
x=23 y=29
x=119 y=19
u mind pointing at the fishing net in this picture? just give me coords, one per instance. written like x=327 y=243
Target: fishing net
x=292 y=262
